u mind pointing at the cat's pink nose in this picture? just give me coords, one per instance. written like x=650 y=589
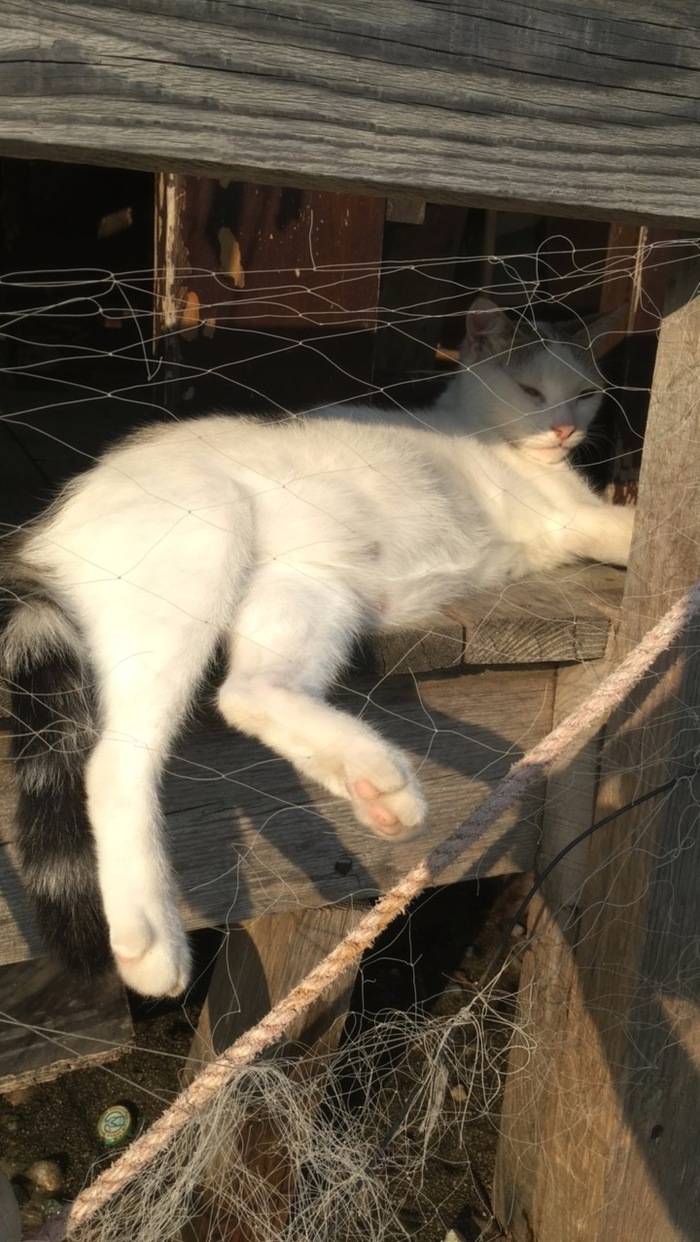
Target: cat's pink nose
x=563 y=431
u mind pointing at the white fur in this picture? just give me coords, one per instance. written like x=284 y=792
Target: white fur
x=291 y=539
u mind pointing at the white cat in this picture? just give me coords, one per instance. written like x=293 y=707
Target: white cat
x=285 y=540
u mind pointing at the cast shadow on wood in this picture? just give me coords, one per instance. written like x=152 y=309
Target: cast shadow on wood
x=248 y=838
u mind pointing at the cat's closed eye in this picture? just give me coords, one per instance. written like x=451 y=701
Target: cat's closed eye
x=588 y=395
x=534 y=393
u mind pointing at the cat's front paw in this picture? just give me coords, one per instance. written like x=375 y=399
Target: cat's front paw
x=386 y=797
x=153 y=960
x=617 y=540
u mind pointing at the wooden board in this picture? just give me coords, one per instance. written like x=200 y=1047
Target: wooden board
x=600 y=1125
x=249 y=838
x=563 y=617
x=567 y=616
x=568 y=107
x=50 y=1024
x=547 y=619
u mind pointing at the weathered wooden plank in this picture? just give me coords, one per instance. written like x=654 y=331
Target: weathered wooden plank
x=248 y=838
x=555 y=618
x=564 y=616
x=49 y=1023
x=602 y=1142
x=543 y=1077
x=569 y=107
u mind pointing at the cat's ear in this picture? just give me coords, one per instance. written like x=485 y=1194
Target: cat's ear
x=489 y=330
x=600 y=334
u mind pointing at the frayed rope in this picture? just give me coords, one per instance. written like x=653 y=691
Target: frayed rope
x=271 y=1028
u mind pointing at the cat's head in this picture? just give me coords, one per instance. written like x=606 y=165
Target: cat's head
x=536 y=385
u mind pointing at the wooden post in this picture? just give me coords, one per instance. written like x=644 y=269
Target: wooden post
x=259 y=963
x=599 y=1133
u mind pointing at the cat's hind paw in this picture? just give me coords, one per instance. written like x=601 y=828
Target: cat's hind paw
x=153 y=963
x=388 y=800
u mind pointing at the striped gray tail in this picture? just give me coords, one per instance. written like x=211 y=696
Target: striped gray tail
x=54 y=719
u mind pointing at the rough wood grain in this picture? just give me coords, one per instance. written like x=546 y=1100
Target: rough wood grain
x=567 y=616
x=259 y=963
x=556 y=618
x=571 y=107
x=543 y=1089
x=603 y=1141
x=50 y=1024
x=249 y=839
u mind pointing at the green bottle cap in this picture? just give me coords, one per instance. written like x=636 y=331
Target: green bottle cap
x=115 y=1125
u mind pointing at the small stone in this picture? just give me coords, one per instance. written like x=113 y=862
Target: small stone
x=459 y=1094
x=453 y=1235
x=9 y=1212
x=32 y=1216
x=47 y=1175
x=19 y=1096
x=518 y=932
x=52 y=1209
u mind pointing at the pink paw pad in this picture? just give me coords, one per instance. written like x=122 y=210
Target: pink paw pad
x=381 y=815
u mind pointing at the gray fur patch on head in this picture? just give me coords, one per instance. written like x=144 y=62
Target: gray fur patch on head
x=547 y=350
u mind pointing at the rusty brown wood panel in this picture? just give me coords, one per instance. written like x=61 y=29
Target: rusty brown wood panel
x=266 y=297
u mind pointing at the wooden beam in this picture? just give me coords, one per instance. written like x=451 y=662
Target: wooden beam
x=50 y=1024
x=556 y=618
x=567 y=616
x=248 y=838
x=569 y=107
x=259 y=962
x=600 y=1125
x=549 y=618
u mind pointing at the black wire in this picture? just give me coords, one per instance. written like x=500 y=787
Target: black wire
x=588 y=832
